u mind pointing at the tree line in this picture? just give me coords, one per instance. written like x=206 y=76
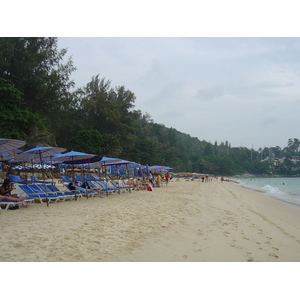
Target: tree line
x=41 y=105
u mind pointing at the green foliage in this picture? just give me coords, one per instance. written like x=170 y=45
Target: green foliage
x=35 y=66
x=15 y=120
x=88 y=141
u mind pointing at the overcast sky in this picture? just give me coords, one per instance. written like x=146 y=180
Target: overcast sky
x=243 y=90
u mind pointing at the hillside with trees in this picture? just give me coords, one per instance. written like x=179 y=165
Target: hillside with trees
x=41 y=105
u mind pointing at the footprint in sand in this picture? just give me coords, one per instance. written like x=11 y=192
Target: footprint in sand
x=273 y=255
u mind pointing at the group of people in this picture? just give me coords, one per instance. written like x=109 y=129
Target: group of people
x=147 y=183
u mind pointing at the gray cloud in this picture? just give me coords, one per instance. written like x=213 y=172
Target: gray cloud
x=244 y=90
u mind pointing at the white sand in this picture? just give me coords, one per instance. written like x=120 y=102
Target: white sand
x=184 y=221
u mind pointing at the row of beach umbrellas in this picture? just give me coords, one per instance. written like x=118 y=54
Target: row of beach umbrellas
x=55 y=155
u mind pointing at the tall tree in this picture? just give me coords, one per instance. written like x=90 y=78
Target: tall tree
x=89 y=141
x=110 y=112
x=36 y=67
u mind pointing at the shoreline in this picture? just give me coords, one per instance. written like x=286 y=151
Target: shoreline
x=263 y=192
x=185 y=221
x=283 y=197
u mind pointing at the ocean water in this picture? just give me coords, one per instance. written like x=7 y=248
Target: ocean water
x=286 y=189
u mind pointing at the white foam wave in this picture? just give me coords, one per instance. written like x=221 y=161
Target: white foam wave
x=275 y=192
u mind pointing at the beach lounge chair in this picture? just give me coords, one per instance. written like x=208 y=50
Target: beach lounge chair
x=119 y=187
x=95 y=177
x=78 y=178
x=98 y=184
x=81 y=191
x=106 y=188
x=10 y=203
x=36 y=180
x=66 y=179
x=17 y=179
x=45 y=188
x=55 y=189
x=91 y=183
x=37 y=194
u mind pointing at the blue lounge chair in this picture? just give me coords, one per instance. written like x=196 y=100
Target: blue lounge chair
x=37 y=194
x=78 y=178
x=45 y=188
x=105 y=187
x=36 y=180
x=10 y=203
x=99 y=184
x=66 y=179
x=117 y=186
x=17 y=179
x=69 y=195
x=81 y=191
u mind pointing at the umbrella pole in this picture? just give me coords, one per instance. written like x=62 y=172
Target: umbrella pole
x=86 y=192
x=32 y=167
x=73 y=178
x=43 y=173
x=26 y=179
x=51 y=169
x=128 y=176
x=106 y=180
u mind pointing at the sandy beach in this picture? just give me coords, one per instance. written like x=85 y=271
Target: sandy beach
x=185 y=221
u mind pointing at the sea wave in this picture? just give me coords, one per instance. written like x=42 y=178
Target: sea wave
x=275 y=192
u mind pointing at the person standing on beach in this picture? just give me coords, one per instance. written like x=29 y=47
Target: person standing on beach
x=158 y=180
x=167 y=178
x=222 y=179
